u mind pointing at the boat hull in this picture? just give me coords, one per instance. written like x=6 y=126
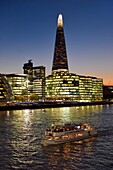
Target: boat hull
x=53 y=141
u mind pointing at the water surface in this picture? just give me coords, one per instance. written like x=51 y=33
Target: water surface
x=21 y=133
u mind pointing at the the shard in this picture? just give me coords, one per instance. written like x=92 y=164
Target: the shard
x=60 y=56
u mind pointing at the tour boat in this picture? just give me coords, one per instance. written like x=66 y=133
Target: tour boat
x=69 y=132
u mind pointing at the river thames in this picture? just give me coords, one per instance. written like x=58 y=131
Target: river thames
x=21 y=132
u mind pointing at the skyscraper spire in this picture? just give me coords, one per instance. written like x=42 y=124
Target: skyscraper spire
x=60 y=21
x=60 y=56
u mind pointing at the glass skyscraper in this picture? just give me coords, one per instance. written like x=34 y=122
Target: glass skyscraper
x=62 y=85
x=60 y=61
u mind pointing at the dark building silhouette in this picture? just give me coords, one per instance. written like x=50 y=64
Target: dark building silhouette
x=28 y=67
x=60 y=55
x=107 y=92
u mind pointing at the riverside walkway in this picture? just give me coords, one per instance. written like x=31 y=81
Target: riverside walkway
x=50 y=104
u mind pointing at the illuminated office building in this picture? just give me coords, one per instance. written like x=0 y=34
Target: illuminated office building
x=69 y=86
x=18 y=84
x=36 y=79
x=62 y=85
x=38 y=82
x=22 y=86
x=32 y=82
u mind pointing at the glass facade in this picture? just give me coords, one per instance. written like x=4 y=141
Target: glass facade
x=62 y=85
x=60 y=55
x=90 y=88
x=69 y=86
x=5 y=89
x=18 y=83
x=97 y=89
x=36 y=80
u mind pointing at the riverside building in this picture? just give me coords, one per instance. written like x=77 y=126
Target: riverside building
x=30 y=85
x=62 y=85
x=18 y=84
x=23 y=87
x=36 y=79
x=5 y=89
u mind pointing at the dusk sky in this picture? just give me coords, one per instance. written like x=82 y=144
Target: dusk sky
x=28 y=31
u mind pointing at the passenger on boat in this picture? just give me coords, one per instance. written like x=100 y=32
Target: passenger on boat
x=52 y=127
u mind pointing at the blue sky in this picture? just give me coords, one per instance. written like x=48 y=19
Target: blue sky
x=28 y=30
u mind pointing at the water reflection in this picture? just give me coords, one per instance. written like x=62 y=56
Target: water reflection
x=21 y=132
x=69 y=153
x=70 y=114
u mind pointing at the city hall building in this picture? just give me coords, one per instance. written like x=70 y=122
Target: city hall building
x=5 y=89
x=62 y=85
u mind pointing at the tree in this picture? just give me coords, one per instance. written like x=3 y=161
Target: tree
x=33 y=97
x=20 y=98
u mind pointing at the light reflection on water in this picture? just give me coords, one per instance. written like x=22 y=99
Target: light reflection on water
x=21 y=133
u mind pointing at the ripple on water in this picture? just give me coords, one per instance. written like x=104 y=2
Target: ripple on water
x=21 y=133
